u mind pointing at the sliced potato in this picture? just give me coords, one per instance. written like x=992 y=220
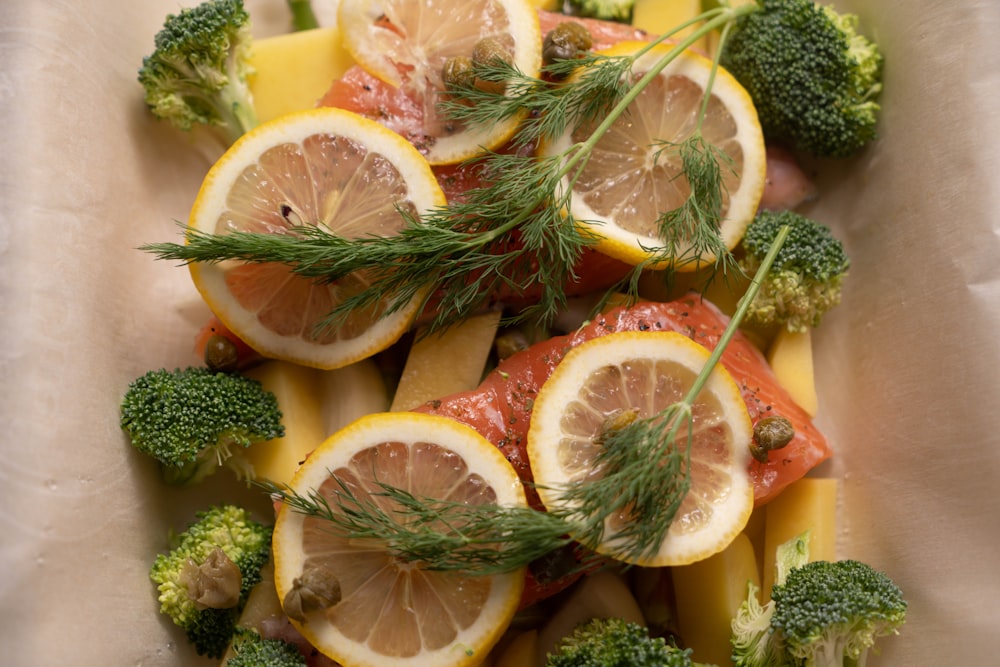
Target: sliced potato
x=521 y=652
x=807 y=504
x=351 y=392
x=297 y=389
x=658 y=17
x=791 y=359
x=294 y=70
x=446 y=363
x=708 y=595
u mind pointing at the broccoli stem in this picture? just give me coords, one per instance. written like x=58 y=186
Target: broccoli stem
x=237 y=103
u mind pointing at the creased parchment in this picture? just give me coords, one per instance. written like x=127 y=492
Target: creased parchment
x=907 y=366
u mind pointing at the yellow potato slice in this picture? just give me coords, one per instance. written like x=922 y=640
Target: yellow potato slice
x=708 y=594
x=294 y=70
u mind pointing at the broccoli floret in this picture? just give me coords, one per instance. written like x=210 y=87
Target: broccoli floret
x=191 y=419
x=608 y=10
x=204 y=580
x=197 y=74
x=252 y=650
x=753 y=639
x=614 y=642
x=813 y=78
x=805 y=279
x=831 y=613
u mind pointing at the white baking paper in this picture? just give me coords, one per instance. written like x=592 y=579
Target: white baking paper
x=907 y=366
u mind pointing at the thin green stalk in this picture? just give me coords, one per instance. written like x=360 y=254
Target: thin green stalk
x=303 y=16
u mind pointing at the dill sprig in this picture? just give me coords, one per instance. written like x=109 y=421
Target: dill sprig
x=645 y=497
x=547 y=107
x=691 y=232
x=433 y=534
x=514 y=232
x=643 y=477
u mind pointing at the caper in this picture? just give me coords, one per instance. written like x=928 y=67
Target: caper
x=457 y=72
x=215 y=584
x=510 y=343
x=770 y=433
x=489 y=49
x=486 y=51
x=565 y=42
x=221 y=354
x=317 y=589
x=616 y=421
x=554 y=565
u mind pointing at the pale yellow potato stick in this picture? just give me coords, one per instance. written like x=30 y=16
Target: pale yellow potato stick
x=791 y=359
x=660 y=16
x=521 y=652
x=712 y=39
x=297 y=389
x=447 y=362
x=293 y=71
x=708 y=594
x=755 y=531
x=351 y=392
x=807 y=504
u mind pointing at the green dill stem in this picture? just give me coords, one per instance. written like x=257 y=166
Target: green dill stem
x=691 y=222
x=738 y=316
x=303 y=17
x=491 y=539
x=724 y=18
x=435 y=534
x=444 y=249
x=650 y=495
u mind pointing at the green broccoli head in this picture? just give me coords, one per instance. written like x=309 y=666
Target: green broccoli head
x=614 y=642
x=813 y=78
x=252 y=650
x=609 y=10
x=831 y=613
x=806 y=277
x=204 y=580
x=191 y=419
x=197 y=73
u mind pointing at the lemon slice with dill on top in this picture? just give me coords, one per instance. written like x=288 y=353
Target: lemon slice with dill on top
x=608 y=381
x=407 y=44
x=327 y=168
x=392 y=611
x=630 y=179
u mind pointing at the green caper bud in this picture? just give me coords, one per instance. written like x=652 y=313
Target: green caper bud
x=616 y=421
x=769 y=434
x=510 y=343
x=215 y=584
x=489 y=49
x=221 y=354
x=457 y=72
x=317 y=589
x=565 y=42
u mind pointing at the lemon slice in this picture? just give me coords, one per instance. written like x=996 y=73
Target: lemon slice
x=625 y=186
x=393 y=612
x=323 y=167
x=647 y=372
x=407 y=43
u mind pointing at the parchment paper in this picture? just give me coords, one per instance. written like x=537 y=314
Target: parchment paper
x=907 y=366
